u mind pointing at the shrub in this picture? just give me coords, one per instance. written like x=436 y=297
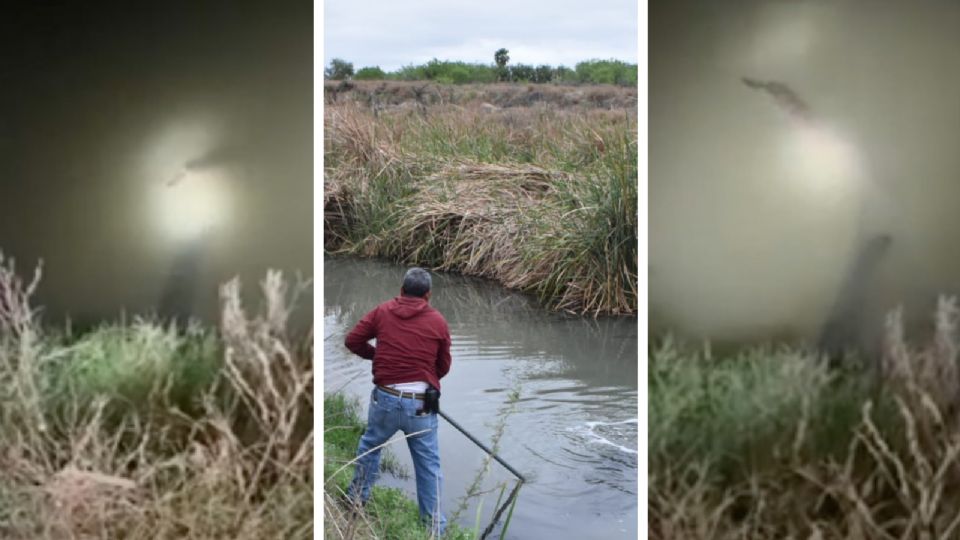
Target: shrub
x=370 y=74
x=339 y=70
x=522 y=73
x=543 y=74
x=606 y=72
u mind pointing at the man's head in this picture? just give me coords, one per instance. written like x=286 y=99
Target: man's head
x=416 y=282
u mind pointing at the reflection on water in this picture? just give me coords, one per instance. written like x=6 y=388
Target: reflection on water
x=575 y=429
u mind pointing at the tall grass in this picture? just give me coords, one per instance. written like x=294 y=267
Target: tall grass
x=771 y=444
x=142 y=431
x=540 y=199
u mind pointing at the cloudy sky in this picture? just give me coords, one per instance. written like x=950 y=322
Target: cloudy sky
x=391 y=34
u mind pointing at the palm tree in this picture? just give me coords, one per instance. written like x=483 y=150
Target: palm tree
x=501 y=57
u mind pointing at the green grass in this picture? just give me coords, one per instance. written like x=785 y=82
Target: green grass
x=141 y=431
x=771 y=442
x=389 y=513
x=128 y=365
x=753 y=411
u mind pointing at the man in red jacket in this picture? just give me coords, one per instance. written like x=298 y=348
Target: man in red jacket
x=411 y=355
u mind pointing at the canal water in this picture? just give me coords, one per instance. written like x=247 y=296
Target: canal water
x=572 y=431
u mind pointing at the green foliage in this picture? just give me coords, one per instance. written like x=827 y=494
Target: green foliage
x=451 y=72
x=606 y=72
x=409 y=73
x=522 y=73
x=740 y=414
x=129 y=366
x=448 y=72
x=370 y=74
x=563 y=74
x=338 y=70
x=543 y=74
x=501 y=57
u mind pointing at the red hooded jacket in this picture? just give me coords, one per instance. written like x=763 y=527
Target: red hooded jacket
x=413 y=342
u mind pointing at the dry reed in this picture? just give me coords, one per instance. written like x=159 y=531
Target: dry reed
x=241 y=467
x=540 y=199
x=899 y=477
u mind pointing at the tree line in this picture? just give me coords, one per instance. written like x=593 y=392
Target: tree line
x=452 y=72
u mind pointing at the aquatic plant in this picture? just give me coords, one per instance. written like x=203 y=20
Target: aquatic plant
x=474 y=490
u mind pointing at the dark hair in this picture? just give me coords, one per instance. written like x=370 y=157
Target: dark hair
x=416 y=282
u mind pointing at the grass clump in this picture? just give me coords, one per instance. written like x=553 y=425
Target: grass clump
x=158 y=361
x=542 y=199
x=140 y=431
x=770 y=443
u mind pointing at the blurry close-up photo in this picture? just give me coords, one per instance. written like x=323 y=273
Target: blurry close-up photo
x=156 y=262
x=804 y=211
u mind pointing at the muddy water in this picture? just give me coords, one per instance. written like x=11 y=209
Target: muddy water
x=574 y=429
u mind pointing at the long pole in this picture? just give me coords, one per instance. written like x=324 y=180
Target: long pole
x=483 y=446
x=520 y=478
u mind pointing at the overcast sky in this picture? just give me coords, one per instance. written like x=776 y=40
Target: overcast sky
x=392 y=34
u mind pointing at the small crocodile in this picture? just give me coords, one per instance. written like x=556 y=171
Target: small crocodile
x=784 y=96
x=222 y=156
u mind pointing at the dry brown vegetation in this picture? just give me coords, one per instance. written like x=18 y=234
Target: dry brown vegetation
x=893 y=472
x=540 y=198
x=234 y=460
x=502 y=95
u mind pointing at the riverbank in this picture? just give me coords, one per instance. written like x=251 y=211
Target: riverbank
x=389 y=513
x=771 y=443
x=539 y=197
x=140 y=430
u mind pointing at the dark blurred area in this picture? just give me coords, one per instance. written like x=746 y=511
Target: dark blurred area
x=758 y=214
x=101 y=103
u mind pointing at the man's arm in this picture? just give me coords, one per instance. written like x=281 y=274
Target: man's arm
x=358 y=338
x=443 y=355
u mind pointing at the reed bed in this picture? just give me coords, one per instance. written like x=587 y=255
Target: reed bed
x=542 y=199
x=142 y=430
x=773 y=444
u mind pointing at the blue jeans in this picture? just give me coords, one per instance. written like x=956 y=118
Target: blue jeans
x=389 y=413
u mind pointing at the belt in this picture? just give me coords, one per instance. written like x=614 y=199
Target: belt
x=398 y=393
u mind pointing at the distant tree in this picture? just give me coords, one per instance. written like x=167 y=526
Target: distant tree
x=501 y=57
x=339 y=70
x=606 y=72
x=522 y=73
x=370 y=74
x=543 y=74
x=411 y=73
x=563 y=74
x=433 y=69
